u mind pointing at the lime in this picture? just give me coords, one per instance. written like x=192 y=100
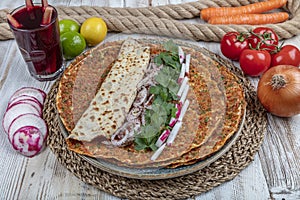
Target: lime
x=67 y=25
x=94 y=30
x=73 y=44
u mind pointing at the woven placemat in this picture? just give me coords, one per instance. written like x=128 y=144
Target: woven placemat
x=240 y=155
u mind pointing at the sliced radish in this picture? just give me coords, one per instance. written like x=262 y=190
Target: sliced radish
x=174 y=133
x=182 y=86
x=28 y=140
x=34 y=103
x=182 y=73
x=180 y=54
x=184 y=93
x=184 y=109
x=187 y=64
x=178 y=106
x=30 y=91
x=158 y=152
x=15 y=111
x=163 y=137
x=172 y=122
x=27 y=120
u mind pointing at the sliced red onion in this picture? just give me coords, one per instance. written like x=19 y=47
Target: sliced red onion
x=182 y=86
x=184 y=93
x=158 y=152
x=16 y=110
x=28 y=140
x=184 y=109
x=163 y=137
x=39 y=94
x=187 y=64
x=27 y=120
x=180 y=54
x=182 y=73
x=174 y=133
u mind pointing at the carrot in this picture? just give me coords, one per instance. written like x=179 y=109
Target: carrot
x=251 y=19
x=253 y=8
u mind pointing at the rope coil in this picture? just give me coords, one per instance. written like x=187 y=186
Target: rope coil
x=168 y=20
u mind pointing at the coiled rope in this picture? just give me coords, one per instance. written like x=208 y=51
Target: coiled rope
x=169 y=20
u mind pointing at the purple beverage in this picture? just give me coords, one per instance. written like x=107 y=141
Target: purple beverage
x=39 y=43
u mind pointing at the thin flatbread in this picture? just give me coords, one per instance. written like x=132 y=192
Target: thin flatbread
x=107 y=111
x=203 y=120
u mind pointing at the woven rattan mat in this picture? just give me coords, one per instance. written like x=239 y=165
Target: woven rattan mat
x=224 y=169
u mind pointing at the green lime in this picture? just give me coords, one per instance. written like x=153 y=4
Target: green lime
x=67 y=25
x=73 y=44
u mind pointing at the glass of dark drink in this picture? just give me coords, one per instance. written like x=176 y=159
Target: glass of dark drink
x=38 y=40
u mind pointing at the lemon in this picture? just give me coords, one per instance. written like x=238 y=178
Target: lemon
x=94 y=30
x=67 y=25
x=73 y=44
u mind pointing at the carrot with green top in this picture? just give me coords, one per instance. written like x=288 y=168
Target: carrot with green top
x=251 y=19
x=253 y=8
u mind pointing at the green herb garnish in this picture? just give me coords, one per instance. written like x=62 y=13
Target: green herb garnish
x=163 y=107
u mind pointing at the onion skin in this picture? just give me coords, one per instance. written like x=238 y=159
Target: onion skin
x=279 y=90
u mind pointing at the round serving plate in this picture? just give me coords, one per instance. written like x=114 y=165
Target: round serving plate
x=157 y=172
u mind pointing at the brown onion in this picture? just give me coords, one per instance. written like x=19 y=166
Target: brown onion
x=279 y=90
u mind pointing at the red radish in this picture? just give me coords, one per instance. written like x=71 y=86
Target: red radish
x=172 y=122
x=184 y=94
x=174 y=133
x=34 y=103
x=28 y=141
x=182 y=86
x=30 y=91
x=178 y=106
x=187 y=64
x=180 y=54
x=158 y=152
x=163 y=137
x=15 y=111
x=184 y=109
x=182 y=73
x=27 y=120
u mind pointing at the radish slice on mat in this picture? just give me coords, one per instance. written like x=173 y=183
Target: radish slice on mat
x=28 y=141
x=163 y=137
x=15 y=111
x=30 y=91
x=27 y=120
x=158 y=152
x=184 y=109
x=32 y=102
x=180 y=54
x=174 y=133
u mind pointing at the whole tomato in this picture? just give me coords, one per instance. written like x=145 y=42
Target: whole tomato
x=287 y=55
x=263 y=38
x=255 y=62
x=232 y=45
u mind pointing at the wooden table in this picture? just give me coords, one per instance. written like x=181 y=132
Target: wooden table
x=274 y=173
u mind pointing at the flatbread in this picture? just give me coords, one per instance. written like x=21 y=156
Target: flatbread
x=204 y=119
x=107 y=111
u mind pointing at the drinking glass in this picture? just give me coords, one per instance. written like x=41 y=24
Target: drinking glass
x=39 y=44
